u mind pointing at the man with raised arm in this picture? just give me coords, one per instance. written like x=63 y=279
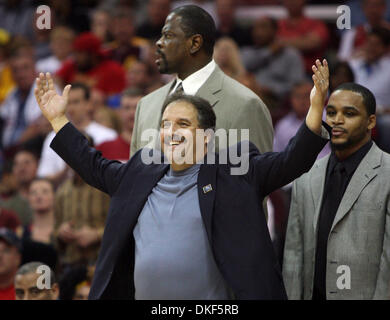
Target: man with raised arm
x=187 y=230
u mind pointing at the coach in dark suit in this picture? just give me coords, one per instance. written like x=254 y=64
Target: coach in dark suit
x=186 y=230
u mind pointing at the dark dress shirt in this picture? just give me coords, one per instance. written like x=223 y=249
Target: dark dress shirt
x=338 y=176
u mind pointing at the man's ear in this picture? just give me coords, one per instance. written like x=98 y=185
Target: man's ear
x=371 y=121
x=196 y=43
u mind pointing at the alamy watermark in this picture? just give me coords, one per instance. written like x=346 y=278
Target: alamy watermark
x=344 y=18
x=344 y=280
x=182 y=149
x=44 y=17
x=44 y=281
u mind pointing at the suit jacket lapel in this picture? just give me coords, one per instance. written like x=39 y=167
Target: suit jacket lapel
x=207 y=178
x=364 y=173
x=317 y=184
x=159 y=100
x=211 y=89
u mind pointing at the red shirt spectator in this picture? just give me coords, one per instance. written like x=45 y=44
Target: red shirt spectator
x=91 y=67
x=293 y=30
x=307 y=35
x=7 y=293
x=117 y=149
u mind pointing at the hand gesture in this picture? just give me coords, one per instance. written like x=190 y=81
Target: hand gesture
x=86 y=236
x=66 y=232
x=321 y=84
x=318 y=95
x=52 y=105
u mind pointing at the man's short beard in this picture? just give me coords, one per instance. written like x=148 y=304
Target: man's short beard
x=352 y=141
x=164 y=69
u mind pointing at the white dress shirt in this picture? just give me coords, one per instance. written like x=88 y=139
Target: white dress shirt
x=193 y=82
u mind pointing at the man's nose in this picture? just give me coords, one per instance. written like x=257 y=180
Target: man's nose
x=339 y=118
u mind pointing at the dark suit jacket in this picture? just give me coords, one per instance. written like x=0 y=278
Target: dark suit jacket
x=232 y=212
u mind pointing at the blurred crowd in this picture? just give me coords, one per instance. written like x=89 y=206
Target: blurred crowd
x=106 y=50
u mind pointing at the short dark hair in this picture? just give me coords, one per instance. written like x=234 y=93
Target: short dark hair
x=195 y=20
x=31 y=267
x=28 y=150
x=369 y=100
x=82 y=86
x=206 y=114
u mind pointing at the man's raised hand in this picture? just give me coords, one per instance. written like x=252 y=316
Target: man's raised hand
x=52 y=105
x=321 y=84
x=318 y=95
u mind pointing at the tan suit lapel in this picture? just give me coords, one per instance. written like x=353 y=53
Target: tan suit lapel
x=364 y=173
x=159 y=100
x=211 y=89
x=317 y=184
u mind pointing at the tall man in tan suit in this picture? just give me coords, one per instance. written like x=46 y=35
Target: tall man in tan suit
x=338 y=235
x=186 y=48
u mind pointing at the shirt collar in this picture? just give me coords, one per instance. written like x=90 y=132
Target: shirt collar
x=193 y=82
x=353 y=161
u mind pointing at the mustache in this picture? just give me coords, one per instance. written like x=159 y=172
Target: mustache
x=160 y=53
x=339 y=128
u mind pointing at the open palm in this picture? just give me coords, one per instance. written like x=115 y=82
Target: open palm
x=52 y=104
x=321 y=83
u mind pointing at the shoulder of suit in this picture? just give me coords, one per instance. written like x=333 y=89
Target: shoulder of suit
x=156 y=92
x=233 y=87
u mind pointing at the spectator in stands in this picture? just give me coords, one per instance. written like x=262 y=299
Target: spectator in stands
x=61 y=39
x=107 y=117
x=276 y=67
x=227 y=25
x=372 y=70
x=287 y=127
x=37 y=237
x=340 y=73
x=227 y=56
x=119 y=149
x=10 y=258
x=139 y=76
x=6 y=80
x=16 y=17
x=305 y=34
x=80 y=215
x=126 y=48
x=27 y=282
x=90 y=66
x=100 y=24
x=8 y=184
x=24 y=170
x=19 y=111
x=353 y=40
x=79 y=111
x=157 y=11
x=157 y=79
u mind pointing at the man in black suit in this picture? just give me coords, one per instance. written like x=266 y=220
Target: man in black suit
x=187 y=230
